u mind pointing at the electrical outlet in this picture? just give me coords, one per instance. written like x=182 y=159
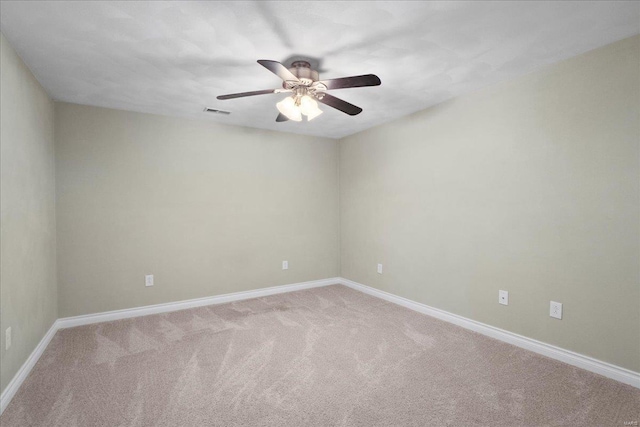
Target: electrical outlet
x=285 y=265
x=7 y=338
x=503 y=297
x=379 y=268
x=555 y=310
x=148 y=280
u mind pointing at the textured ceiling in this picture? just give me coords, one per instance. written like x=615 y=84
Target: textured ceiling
x=174 y=58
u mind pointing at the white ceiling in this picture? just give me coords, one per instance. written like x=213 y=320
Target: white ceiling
x=174 y=58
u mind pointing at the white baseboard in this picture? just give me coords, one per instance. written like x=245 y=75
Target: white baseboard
x=25 y=369
x=588 y=363
x=69 y=322
x=599 y=367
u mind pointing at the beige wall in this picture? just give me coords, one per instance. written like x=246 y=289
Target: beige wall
x=531 y=186
x=27 y=195
x=207 y=208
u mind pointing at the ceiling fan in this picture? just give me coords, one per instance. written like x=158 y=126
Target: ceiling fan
x=306 y=88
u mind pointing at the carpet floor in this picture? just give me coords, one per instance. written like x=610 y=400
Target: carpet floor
x=328 y=356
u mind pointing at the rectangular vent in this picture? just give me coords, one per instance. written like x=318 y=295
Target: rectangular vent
x=213 y=110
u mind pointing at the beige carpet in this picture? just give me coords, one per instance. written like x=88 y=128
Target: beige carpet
x=321 y=357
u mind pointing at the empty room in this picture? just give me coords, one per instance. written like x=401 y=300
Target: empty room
x=320 y=213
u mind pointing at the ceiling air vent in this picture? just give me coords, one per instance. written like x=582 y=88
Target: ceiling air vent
x=213 y=110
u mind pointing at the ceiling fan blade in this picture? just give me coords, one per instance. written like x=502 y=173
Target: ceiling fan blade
x=339 y=104
x=281 y=118
x=278 y=69
x=243 y=94
x=353 y=81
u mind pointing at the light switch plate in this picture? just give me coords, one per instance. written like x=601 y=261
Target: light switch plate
x=379 y=268
x=285 y=265
x=148 y=280
x=503 y=297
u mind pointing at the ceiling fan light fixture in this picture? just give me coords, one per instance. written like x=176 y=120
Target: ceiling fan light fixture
x=289 y=108
x=313 y=114
x=309 y=107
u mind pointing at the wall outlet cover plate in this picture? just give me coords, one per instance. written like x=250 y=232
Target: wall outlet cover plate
x=7 y=338
x=555 y=310
x=503 y=297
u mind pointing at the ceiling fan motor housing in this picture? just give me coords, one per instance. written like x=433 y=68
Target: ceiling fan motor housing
x=302 y=70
